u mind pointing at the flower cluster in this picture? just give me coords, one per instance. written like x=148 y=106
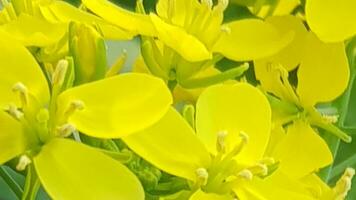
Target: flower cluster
x=219 y=105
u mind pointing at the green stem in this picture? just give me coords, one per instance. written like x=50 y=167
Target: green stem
x=221 y=77
x=338 y=169
x=15 y=187
x=32 y=184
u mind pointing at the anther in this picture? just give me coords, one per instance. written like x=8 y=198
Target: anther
x=221 y=141
x=331 y=118
x=208 y=3
x=60 y=72
x=23 y=92
x=23 y=162
x=222 y=4
x=246 y=174
x=202 y=175
x=74 y=106
x=343 y=185
x=12 y=110
x=259 y=169
x=65 y=130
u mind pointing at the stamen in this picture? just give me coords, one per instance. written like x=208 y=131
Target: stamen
x=60 y=72
x=222 y=4
x=331 y=118
x=237 y=149
x=221 y=141
x=202 y=176
x=12 y=110
x=246 y=174
x=74 y=106
x=343 y=185
x=259 y=169
x=208 y=3
x=23 y=162
x=23 y=92
x=65 y=130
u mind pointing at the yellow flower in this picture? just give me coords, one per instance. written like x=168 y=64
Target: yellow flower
x=226 y=153
x=36 y=119
x=44 y=23
x=322 y=75
x=191 y=37
x=335 y=27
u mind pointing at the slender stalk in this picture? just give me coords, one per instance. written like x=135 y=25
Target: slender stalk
x=15 y=187
x=339 y=168
x=207 y=81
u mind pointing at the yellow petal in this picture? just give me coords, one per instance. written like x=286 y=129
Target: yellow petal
x=201 y=195
x=72 y=171
x=274 y=187
x=64 y=12
x=171 y=145
x=117 y=106
x=302 y=151
x=178 y=12
x=18 y=65
x=133 y=22
x=12 y=138
x=324 y=72
x=33 y=31
x=318 y=187
x=291 y=55
x=234 y=108
x=251 y=39
x=285 y=7
x=277 y=136
x=188 y=46
x=332 y=21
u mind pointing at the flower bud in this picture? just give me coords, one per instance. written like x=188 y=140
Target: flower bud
x=87 y=47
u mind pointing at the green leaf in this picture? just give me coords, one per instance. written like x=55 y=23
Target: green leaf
x=72 y=171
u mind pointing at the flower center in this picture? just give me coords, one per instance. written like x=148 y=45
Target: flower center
x=41 y=123
x=226 y=171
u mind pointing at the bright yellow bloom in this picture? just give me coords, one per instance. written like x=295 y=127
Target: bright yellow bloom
x=331 y=21
x=35 y=121
x=322 y=75
x=191 y=37
x=226 y=153
x=44 y=23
